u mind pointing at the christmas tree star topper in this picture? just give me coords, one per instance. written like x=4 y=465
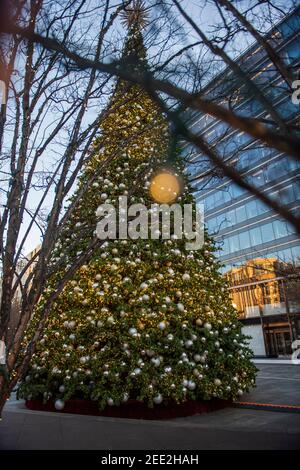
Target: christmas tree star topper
x=136 y=14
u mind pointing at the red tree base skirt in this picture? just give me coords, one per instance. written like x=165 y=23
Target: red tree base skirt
x=132 y=409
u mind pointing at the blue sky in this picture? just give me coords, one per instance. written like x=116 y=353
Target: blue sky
x=205 y=15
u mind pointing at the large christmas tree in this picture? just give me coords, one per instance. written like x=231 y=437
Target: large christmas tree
x=146 y=319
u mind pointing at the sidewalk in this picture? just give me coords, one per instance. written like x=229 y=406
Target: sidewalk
x=289 y=362
x=230 y=428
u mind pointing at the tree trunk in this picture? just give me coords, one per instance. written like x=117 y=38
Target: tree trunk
x=4 y=393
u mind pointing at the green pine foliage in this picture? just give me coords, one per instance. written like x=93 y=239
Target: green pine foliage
x=145 y=319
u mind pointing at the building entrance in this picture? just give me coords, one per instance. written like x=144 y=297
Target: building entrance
x=278 y=341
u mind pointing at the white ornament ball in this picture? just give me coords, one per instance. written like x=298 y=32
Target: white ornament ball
x=158 y=399
x=59 y=404
x=155 y=361
x=191 y=385
x=132 y=331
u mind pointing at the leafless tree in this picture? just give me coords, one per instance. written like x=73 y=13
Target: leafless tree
x=49 y=118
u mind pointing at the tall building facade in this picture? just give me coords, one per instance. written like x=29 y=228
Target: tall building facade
x=260 y=252
x=31 y=259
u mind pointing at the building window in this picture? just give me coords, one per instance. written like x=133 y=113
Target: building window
x=261 y=207
x=287 y=194
x=258 y=179
x=292 y=51
x=241 y=214
x=296 y=186
x=280 y=229
x=251 y=209
x=267 y=232
x=244 y=240
x=225 y=246
x=255 y=236
x=234 y=243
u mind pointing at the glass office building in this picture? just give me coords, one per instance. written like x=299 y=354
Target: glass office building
x=259 y=251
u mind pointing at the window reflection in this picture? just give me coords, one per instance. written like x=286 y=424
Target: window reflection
x=251 y=237
x=244 y=239
x=281 y=166
x=267 y=232
x=255 y=236
x=263 y=286
x=241 y=214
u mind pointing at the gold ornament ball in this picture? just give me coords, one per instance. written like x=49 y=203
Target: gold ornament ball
x=164 y=187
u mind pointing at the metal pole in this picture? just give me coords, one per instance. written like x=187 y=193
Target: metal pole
x=287 y=306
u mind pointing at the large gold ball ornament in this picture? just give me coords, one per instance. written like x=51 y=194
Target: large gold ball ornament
x=165 y=187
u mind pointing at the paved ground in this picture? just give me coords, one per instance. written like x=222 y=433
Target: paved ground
x=276 y=384
x=225 y=429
